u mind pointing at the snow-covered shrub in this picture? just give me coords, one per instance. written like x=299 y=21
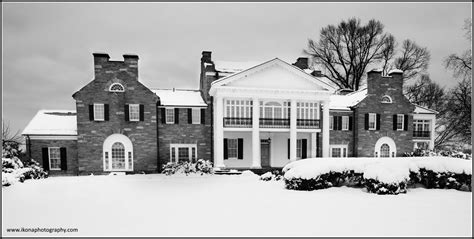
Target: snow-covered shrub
x=273 y=175
x=375 y=186
x=13 y=170
x=444 y=180
x=201 y=166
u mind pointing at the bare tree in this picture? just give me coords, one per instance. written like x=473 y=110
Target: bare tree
x=346 y=51
x=424 y=92
x=461 y=65
x=8 y=136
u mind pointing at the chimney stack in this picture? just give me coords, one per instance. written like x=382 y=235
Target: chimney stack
x=302 y=63
x=206 y=56
x=104 y=67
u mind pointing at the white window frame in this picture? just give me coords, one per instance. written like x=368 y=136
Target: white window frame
x=345 y=122
x=238 y=108
x=299 y=148
x=110 y=88
x=167 y=110
x=236 y=148
x=402 y=123
x=134 y=110
x=176 y=151
x=389 y=99
x=196 y=115
x=59 y=158
x=342 y=147
x=97 y=110
x=331 y=122
x=373 y=116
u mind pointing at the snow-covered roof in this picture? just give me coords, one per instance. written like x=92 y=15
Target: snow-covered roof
x=344 y=102
x=395 y=71
x=180 y=97
x=52 y=122
x=234 y=66
x=423 y=110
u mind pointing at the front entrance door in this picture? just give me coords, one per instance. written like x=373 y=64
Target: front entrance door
x=265 y=152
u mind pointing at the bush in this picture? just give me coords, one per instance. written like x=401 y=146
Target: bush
x=443 y=180
x=201 y=166
x=375 y=186
x=13 y=170
x=273 y=175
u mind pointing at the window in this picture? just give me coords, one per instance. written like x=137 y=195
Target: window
x=134 y=112
x=400 y=121
x=345 y=122
x=183 y=152
x=118 y=156
x=106 y=161
x=331 y=122
x=196 y=116
x=299 y=148
x=54 y=158
x=372 y=121
x=116 y=87
x=99 y=112
x=232 y=148
x=130 y=160
x=386 y=99
x=384 y=151
x=170 y=115
x=338 y=151
x=238 y=109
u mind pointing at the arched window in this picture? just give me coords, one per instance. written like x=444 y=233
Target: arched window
x=384 y=151
x=116 y=87
x=118 y=156
x=386 y=99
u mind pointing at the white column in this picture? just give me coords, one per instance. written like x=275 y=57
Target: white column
x=325 y=129
x=293 y=130
x=218 y=132
x=432 y=133
x=256 y=160
x=313 y=145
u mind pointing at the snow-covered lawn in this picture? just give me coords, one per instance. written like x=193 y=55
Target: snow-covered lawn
x=159 y=205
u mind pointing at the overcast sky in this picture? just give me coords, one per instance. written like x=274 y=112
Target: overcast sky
x=47 y=47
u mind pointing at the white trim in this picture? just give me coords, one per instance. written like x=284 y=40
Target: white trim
x=331 y=122
x=391 y=144
x=116 y=83
x=103 y=112
x=403 y=122
x=130 y=112
x=389 y=98
x=166 y=115
x=345 y=123
x=375 y=121
x=49 y=159
x=52 y=137
x=339 y=146
x=107 y=149
x=176 y=151
x=195 y=115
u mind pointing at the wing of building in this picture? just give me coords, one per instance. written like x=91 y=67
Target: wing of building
x=245 y=115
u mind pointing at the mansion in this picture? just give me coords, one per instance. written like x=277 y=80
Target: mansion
x=245 y=115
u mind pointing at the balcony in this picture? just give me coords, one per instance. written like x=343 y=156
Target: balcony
x=236 y=122
x=421 y=134
x=307 y=124
x=274 y=123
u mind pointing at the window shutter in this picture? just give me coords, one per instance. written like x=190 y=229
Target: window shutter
x=106 y=112
x=350 y=122
x=288 y=148
x=127 y=113
x=318 y=135
x=142 y=112
x=45 y=158
x=203 y=116
x=226 y=155
x=394 y=122
x=163 y=115
x=405 y=117
x=339 y=123
x=176 y=115
x=240 y=147
x=334 y=123
x=378 y=122
x=190 y=116
x=366 y=125
x=63 y=155
x=91 y=112
x=304 y=148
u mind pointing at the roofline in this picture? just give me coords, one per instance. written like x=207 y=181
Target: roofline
x=434 y=111
x=236 y=73
x=49 y=134
x=183 y=106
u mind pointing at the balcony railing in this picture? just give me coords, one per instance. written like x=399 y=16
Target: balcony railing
x=237 y=122
x=307 y=123
x=274 y=123
x=421 y=134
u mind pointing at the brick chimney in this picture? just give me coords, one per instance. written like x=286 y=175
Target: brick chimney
x=381 y=85
x=207 y=76
x=103 y=67
x=302 y=63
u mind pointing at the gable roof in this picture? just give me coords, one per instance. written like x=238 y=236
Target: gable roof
x=52 y=122
x=180 y=97
x=303 y=73
x=423 y=110
x=234 y=66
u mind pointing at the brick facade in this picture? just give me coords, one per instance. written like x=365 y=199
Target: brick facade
x=35 y=148
x=342 y=137
x=92 y=134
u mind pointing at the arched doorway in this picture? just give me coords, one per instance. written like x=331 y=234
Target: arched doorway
x=118 y=153
x=385 y=148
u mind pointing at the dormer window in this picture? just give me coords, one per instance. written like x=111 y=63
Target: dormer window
x=386 y=99
x=116 y=87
